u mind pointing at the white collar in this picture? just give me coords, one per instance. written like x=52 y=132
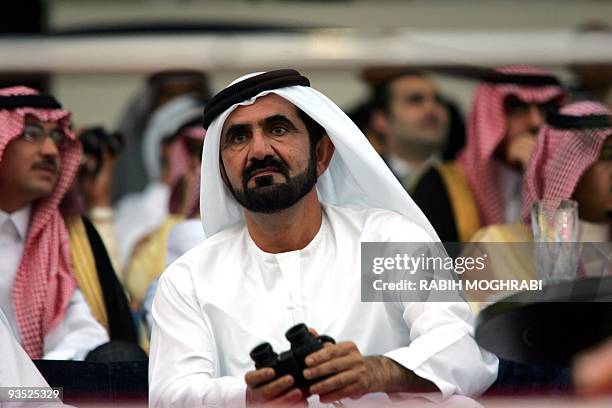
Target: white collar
x=400 y=167
x=312 y=244
x=20 y=218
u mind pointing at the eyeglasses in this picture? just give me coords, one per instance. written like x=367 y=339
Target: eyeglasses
x=36 y=134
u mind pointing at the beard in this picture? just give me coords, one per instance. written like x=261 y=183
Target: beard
x=269 y=198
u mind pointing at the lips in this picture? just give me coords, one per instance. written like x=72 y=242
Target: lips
x=258 y=172
x=46 y=168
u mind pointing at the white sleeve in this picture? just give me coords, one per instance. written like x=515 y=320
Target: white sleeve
x=443 y=350
x=76 y=335
x=442 y=346
x=16 y=369
x=183 y=360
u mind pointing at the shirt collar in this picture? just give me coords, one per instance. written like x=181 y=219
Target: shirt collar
x=20 y=218
x=400 y=167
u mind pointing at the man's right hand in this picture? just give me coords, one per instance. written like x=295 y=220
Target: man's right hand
x=519 y=150
x=262 y=391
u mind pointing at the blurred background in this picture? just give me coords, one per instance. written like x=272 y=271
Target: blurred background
x=95 y=54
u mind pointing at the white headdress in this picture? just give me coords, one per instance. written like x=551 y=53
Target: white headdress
x=357 y=175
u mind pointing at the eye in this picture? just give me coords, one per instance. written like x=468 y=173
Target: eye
x=239 y=138
x=279 y=130
x=415 y=99
x=59 y=138
x=33 y=133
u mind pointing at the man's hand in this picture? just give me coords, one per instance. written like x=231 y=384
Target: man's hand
x=351 y=375
x=95 y=188
x=593 y=371
x=519 y=150
x=261 y=390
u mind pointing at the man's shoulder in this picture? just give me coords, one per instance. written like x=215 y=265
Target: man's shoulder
x=378 y=224
x=202 y=257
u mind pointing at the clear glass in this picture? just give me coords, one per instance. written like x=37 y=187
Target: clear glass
x=554 y=225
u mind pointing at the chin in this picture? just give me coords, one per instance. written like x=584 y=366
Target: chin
x=40 y=190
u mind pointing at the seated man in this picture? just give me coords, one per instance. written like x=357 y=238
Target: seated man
x=290 y=189
x=183 y=161
x=571 y=161
x=483 y=186
x=39 y=157
x=414 y=120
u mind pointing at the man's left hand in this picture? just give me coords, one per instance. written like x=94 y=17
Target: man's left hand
x=350 y=373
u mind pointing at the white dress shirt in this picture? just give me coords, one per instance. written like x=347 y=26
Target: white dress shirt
x=225 y=296
x=79 y=332
x=511 y=183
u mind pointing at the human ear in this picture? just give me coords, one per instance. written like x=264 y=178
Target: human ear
x=325 y=151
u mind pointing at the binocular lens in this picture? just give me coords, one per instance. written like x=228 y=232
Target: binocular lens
x=297 y=334
x=262 y=353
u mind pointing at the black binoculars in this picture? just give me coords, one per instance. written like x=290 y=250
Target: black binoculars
x=291 y=361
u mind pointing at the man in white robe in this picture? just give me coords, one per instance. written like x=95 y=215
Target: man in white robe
x=295 y=191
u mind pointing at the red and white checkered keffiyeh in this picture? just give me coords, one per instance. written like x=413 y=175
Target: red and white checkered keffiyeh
x=44 y=282
x=561 y=157
x=179 y=161
x=486 y=129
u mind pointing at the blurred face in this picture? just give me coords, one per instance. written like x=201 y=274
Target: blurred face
x=30 y=165
x=417 y=119
x=523 y=122
x=172 y=88
x=594 y=190
x=266 y=155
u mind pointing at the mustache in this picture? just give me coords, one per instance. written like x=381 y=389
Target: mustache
x=268 y=161
x=431 y=119
x=48 y=163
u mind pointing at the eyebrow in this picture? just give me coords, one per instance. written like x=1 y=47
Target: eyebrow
x=269 y=121
x=276 y=119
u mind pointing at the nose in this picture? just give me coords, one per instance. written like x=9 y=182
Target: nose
x=49 y=148
x=536 y=116
x=260 y=146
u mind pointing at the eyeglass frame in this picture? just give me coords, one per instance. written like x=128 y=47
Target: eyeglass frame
x=58 y=136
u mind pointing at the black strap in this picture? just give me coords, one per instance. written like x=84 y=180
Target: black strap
x=250 y=87
x=560 y=121
x=28 y=101
x=521 y=79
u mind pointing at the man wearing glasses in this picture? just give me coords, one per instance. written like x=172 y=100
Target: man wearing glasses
x=39 y=157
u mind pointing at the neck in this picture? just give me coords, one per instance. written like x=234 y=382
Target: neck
x=9 y=203
x=287 y=230
x=412 y=159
